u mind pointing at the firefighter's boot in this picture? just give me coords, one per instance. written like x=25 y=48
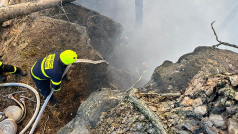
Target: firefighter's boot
x=21 y=72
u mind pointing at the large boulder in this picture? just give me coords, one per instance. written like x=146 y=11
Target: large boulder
x=27 y=39
x=90 y=111
x=104 y=33
x=175 y=77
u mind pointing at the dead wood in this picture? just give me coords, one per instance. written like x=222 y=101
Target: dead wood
x=141 y=105
x=13 y=11
x=220 y=42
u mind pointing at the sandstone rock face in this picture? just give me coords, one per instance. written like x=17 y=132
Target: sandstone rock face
x=27 y=39
x=90 y=111
x=104 y=33
x=206 y=60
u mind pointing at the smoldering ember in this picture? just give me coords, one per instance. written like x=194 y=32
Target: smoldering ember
x=197 y=94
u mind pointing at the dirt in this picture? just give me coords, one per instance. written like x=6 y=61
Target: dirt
x=24 y=41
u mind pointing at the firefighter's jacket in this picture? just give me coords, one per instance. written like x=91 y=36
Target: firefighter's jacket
x=142 y=70
x=49 y=68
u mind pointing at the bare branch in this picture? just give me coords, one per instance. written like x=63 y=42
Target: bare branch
x=133 y=85
x=64 y=11
x=220 y=42
x=163 y=95
x=13 y=11
x=214 y=31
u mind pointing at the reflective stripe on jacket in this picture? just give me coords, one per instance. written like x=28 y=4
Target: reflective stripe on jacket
x=49 y=68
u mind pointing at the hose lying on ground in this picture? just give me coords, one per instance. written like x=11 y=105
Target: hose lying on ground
x=22 y=100
x=22 y=107
x=37 y=99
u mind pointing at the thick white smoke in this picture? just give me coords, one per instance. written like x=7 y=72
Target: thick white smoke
x=170 y=29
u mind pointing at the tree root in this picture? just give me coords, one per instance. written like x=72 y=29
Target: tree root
x=141 y=105
x=163 y=95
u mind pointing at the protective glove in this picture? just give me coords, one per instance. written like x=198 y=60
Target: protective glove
x=57 y=89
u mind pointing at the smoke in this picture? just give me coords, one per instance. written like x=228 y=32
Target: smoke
x=170 y=28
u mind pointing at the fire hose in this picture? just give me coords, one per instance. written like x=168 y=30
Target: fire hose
x=37 y=99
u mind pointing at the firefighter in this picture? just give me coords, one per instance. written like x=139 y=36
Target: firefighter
x=142 y=70
x=125 y=42
x=49 y=70
x=10 y=69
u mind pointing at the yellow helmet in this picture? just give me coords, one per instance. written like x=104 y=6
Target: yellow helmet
x=68 y=57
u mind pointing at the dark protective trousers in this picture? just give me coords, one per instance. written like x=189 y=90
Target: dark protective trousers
x=9 y=68
x=43 y=86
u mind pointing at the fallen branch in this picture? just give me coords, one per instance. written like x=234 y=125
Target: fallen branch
x=220 y=42
x=163 y=95
x=89 y=21
x=84 y=17
x=133 y=85
x=125 y=95
x=141 y=105
x=13 y=11
x=64 y=11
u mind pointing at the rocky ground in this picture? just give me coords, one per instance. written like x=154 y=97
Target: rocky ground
x=208 y=106
x=202 y=102
x=197 y=94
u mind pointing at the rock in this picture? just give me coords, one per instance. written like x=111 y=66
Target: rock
x=189 y=111
x=183 y=132
x=151 y=131
x=197 y=102
x=217 y=120
x=236 y=96
x=218 y=108
x=234 y=80
x=153 y=108
x=90 y=110
x=200 y=110
x=193 y=64
x=139 y=126
x=207 y=122
x=232 y=126
x=104 y=33
x=232 y=109
x=187 y=101
x=190 y=125
x=211 y=130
